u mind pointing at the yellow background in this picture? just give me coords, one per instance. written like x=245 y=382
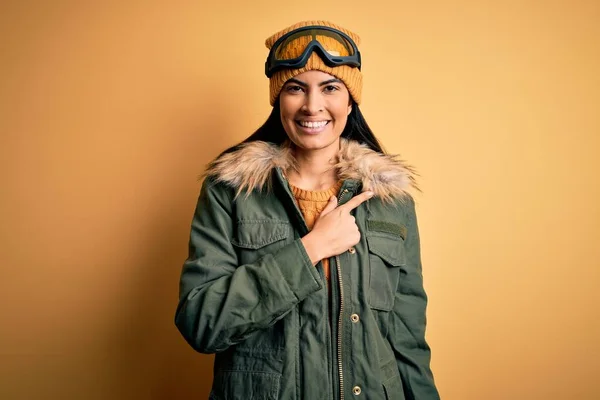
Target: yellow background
x=110 y=110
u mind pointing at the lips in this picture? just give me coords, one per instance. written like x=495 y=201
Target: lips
x=312 y=127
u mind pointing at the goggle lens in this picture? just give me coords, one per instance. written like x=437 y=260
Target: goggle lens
x=293 y=46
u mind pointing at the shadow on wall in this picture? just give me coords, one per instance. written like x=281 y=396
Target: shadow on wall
x=151 y=358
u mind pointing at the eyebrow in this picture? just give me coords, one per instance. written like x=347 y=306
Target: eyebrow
x=304 y=84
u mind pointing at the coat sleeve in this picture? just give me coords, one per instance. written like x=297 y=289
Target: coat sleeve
x=408 y=320
x=221 y=303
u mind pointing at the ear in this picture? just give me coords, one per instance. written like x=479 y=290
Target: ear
x=349 y=108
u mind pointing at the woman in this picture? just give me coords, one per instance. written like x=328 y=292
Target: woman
x=304 y=272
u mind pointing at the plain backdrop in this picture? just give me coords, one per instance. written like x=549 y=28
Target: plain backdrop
x=110 y=110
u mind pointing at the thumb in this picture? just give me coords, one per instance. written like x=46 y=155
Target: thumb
x=331 y=205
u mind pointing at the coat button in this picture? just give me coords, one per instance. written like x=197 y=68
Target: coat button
x=356 y=390
x=354 y=318
x=352 y=250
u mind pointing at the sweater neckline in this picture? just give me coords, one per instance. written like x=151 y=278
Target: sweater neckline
x=315 y=195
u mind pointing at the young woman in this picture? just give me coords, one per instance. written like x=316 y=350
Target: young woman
x=304 y=271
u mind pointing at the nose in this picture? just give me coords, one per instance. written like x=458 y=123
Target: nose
x=313 y=103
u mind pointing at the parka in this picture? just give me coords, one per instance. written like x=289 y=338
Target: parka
x=250 y=294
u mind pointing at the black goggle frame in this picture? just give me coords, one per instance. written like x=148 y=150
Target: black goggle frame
x=273 y=65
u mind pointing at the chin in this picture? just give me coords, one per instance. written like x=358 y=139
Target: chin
x=315 y=143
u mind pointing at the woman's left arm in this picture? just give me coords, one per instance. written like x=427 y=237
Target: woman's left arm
x=408 y=320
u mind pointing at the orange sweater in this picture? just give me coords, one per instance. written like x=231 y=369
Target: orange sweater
x=311 y=203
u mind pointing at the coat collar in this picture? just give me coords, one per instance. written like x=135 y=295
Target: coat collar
x=251 y=165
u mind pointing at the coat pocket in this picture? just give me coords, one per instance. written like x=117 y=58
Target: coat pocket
x=392 y=383
x=254 y=238
x=238 y=385
x=393 y=389
x=386 y=254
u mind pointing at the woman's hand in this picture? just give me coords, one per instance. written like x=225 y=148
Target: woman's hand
x=335 y=230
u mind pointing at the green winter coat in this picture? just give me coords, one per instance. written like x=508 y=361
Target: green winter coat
x=250 y=293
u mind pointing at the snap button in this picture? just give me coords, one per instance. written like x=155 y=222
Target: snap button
x=354 y=318
x=352 y=250
x=356 y=390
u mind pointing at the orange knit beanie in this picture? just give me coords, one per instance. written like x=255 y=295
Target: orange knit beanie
x=351 y=76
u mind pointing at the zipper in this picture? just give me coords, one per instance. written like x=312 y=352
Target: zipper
x=329 y=339
x=339 y=343
x=340 y=321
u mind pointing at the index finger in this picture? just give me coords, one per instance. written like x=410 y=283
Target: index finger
x=356 y=201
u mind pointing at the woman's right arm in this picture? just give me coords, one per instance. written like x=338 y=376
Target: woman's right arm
x=221 y=303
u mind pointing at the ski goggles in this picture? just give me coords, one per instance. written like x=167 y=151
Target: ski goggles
x=293 y=49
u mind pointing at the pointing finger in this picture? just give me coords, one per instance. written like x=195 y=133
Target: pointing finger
x=356 y=201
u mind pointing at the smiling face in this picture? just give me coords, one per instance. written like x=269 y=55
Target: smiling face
x=314 y=110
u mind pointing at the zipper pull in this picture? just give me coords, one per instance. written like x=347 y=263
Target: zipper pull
x=342 y=193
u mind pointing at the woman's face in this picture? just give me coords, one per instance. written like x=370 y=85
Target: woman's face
x=314 y=110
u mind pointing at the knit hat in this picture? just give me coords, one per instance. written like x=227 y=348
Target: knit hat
x=351 y=76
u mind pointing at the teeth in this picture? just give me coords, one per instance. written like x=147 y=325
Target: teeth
x=308 y=124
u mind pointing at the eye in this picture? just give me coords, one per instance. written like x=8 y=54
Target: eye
x=331 y=88
x=293 y=88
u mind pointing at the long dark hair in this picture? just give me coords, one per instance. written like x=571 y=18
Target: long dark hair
x=272 y=130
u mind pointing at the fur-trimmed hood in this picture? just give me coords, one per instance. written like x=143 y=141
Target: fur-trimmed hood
x=250 y=167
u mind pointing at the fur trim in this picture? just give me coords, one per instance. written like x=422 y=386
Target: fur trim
x=249 y=167
x=386 y=175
